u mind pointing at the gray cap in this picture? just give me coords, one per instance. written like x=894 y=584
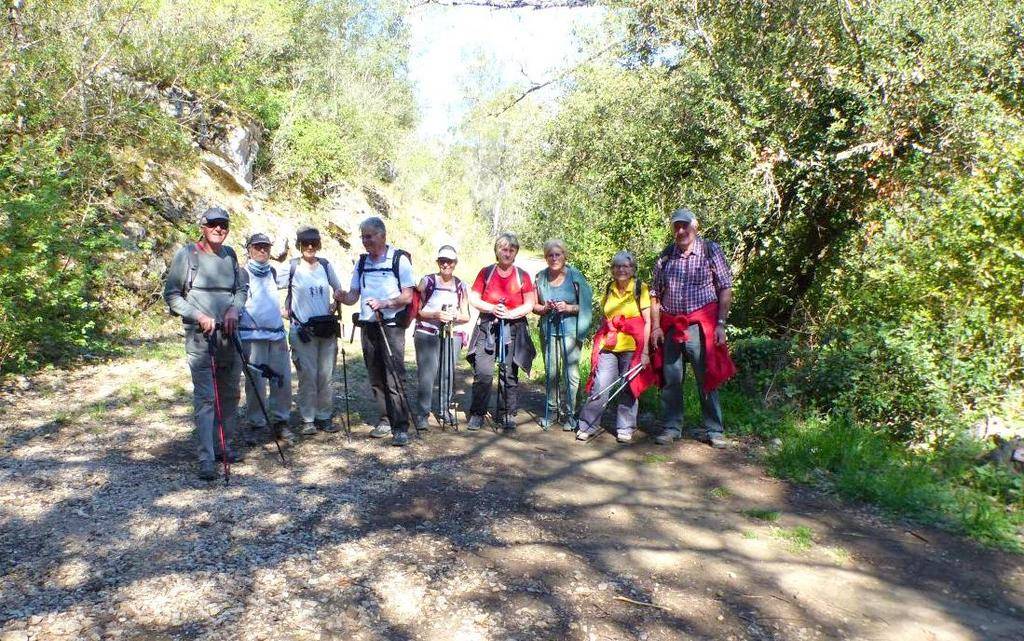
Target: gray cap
x=258 y=239
x=212 y=214
x=683 y=215
x=307 y=233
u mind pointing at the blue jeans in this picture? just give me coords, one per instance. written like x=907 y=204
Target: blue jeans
x=676 y=355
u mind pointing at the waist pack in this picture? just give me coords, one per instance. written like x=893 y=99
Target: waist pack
x=323 y=326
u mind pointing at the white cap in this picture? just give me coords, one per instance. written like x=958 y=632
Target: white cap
x=447 y=251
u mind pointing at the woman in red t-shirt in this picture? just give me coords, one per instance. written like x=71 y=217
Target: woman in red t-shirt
x=504 y=295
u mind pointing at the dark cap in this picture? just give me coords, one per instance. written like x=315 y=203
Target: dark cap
x=258 y=239
x=683 y=215
x=307 y=233
x=213 y=214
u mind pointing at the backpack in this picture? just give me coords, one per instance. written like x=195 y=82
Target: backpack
x=419 y=300
x=404 y=317
x=292 y=264
x=192 y=268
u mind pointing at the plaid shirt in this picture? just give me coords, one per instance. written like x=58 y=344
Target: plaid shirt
x=685 y=282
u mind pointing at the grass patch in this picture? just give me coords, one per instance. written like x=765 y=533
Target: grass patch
x=655 y=459
x=949 y=488
x=720 y=493
x=798 y=539
x=769 y=516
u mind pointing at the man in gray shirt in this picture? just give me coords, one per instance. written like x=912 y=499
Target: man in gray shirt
x=206 y=287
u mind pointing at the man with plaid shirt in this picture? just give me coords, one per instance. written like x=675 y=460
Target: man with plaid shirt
x=691 y=293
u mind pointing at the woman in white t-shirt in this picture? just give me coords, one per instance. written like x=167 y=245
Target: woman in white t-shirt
x=445 y=303
x=313 y=289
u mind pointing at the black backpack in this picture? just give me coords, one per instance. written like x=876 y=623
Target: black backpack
x=403 y=318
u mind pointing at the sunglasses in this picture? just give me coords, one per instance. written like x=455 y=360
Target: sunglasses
x=219 y=224
x=445 y=261
x=261 y=247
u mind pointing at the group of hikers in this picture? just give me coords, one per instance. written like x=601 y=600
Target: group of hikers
x=235 y=326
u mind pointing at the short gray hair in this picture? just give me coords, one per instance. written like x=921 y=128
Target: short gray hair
x=624 y=255
x=375 y=223
x=508 y=239
x=555 y=243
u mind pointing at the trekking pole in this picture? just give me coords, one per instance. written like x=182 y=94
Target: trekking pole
x=211 y=343
x=344 y=375
x=451 y=369
x=267 y=373
x=620 y=383
x=389 y=367
x=502 y=396
x=445 y=377
x=559 y=366
x=547 y=374
x=569 y=403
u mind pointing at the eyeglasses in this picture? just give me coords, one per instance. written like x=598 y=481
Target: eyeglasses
x=219 y=224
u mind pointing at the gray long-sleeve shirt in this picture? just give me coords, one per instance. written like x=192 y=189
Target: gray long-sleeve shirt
x=211 y=293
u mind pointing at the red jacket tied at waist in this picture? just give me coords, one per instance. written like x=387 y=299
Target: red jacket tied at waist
x=608 y=335
x=718 y=366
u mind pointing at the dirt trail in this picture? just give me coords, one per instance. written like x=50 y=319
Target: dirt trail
x=105 y=533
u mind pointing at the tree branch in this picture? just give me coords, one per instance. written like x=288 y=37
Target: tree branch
x=540 y=85
x=510 y=4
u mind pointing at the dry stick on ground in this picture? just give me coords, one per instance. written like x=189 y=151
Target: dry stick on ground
x=643 y=603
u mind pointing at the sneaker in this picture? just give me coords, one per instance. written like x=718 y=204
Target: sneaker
x=383 y=429
x=624 y=436
x=475 y=423
x=401 y=439
x=545 y=423
x=207 y=470
x=585 y=435
x=509 y=426
x=570 y=425
x=421 y=424
x=667 y=436
x=717 y=440
x=233 y=457
x=307 y=429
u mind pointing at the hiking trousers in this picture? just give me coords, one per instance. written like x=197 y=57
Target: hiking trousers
x=611 y=365
x=229 y=369
x=428 y=370
x=386 y=379
x=570 y=360
x=278 y=400
x=676 y=356
x=483 y=378
x=314 y=367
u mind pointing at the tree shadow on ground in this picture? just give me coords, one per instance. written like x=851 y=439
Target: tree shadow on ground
x=459 y=536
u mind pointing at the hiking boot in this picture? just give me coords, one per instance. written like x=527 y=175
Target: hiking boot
x=307 y=429
x=624 y=436
x=475 y=423
x=233 y=457
x=667 y=436
x=510 y=426
x=401 y=439
x=383 y=429
x=545 y=423
x=570 y=425
x=286 y=435
x=421 y=424
x=250 y=435
x=717 y=440
x=328 y=425
x=207 y=470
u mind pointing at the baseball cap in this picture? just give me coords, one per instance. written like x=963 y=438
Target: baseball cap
x=447 y=251
x=682 y=215
x=258 y=239
x=307 y=233
x=213 y=214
